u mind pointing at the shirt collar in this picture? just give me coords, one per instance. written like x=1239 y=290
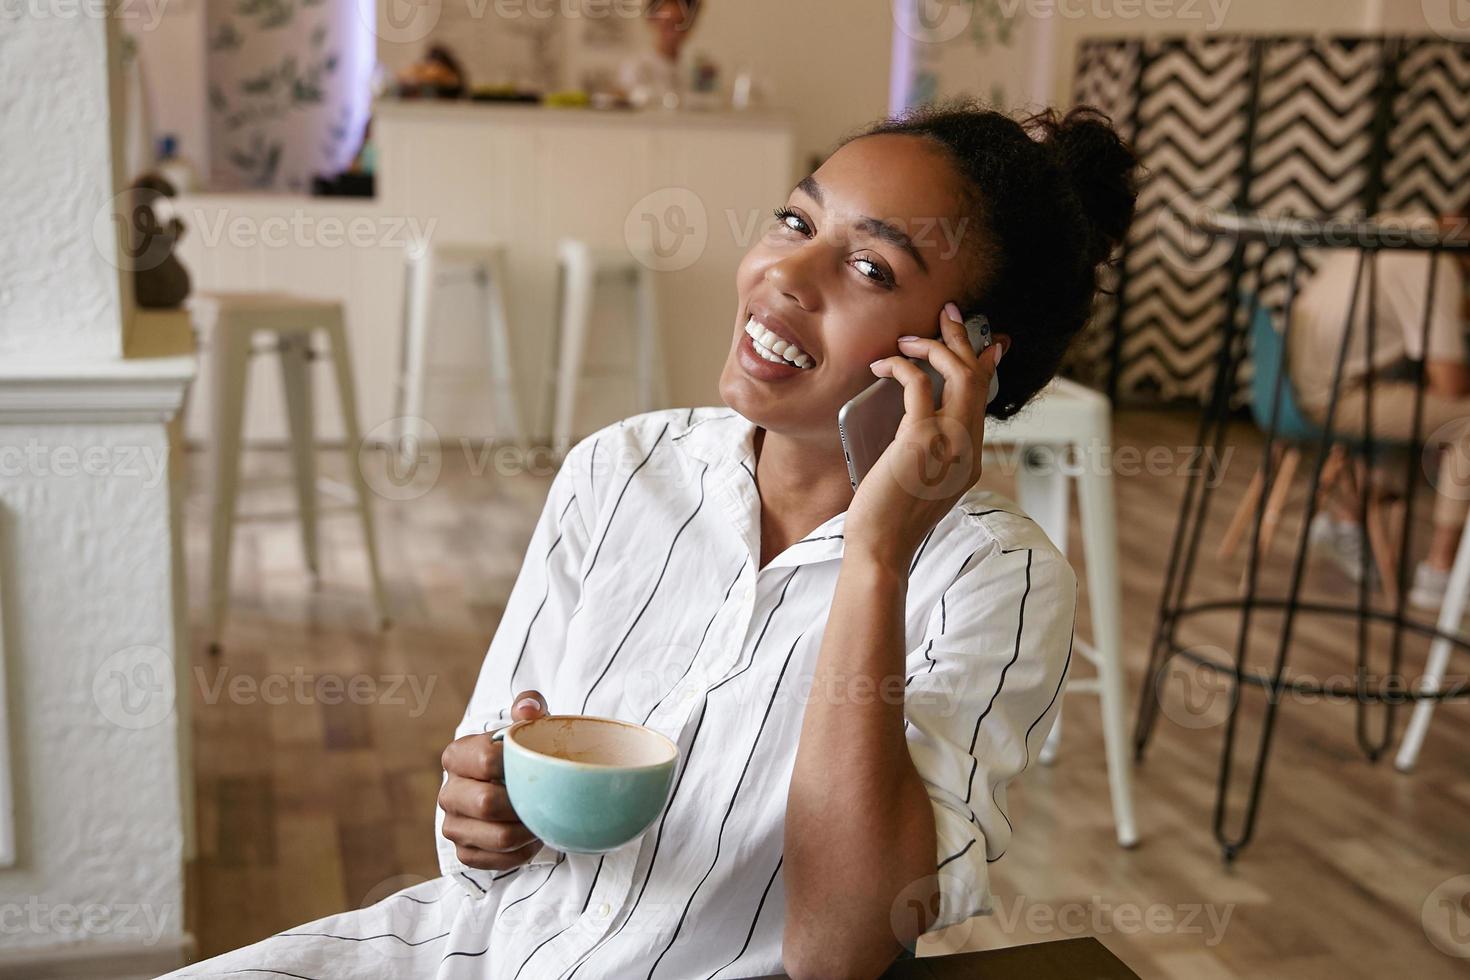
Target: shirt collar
x=725 y=440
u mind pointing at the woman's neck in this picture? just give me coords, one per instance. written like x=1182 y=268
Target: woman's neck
x=801 y=486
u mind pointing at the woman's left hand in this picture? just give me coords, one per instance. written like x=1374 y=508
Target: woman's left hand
x=935 y=457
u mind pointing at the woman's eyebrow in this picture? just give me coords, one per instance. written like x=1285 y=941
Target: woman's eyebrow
x=874 y=227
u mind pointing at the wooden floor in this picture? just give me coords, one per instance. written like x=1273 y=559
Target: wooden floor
x=318 y=741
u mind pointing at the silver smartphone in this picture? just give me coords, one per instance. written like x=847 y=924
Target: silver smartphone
x=868 y=423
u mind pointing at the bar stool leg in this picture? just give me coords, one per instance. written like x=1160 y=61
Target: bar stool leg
x=576 y=312
x=502 y=372
x=296 y=380
x=1042 y=492
x=229 y=364
x=652 y=382
x=1100 y=544
x=415 y=347
x=347 y=394
x=1456 y=594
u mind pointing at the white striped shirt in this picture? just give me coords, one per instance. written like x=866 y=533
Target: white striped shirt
x=641 y=598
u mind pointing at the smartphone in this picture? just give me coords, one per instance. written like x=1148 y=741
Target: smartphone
x=868 y=423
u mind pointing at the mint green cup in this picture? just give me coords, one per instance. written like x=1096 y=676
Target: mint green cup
x=587 y=785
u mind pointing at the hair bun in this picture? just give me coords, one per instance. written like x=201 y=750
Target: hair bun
x=1101 y=166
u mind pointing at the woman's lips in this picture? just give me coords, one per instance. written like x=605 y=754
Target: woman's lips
x=760 y=368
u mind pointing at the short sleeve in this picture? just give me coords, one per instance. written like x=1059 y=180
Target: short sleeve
x=982 y=690
x=533 y=629
x=1403 y=296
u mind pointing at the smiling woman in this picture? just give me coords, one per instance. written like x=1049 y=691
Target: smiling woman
x=852 y=678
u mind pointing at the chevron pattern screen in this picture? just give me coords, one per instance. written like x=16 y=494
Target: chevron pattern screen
x=1311 y=126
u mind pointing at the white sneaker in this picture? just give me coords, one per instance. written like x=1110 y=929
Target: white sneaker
x=1429 y=586
x=1342 y=543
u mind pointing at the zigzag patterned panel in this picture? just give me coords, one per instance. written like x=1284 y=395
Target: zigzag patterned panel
x=1190 y=140
x=1107 y=77
x=1313 y=141
x=1428 y=170
x=1321 y=143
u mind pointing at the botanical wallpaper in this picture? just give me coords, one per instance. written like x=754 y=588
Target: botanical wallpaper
x=288 y=90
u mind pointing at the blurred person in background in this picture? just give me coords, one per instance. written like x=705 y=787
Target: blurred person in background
x=657 y=76
x=1321 y=314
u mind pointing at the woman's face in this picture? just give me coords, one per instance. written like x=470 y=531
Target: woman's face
x=867 y=249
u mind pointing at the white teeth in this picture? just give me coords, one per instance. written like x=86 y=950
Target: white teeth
x=773 y=348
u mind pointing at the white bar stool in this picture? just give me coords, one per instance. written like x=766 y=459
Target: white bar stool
x=1451 y=613
x=228 y=323
x=1068 y=418
x=580 y=265
x=429 y=267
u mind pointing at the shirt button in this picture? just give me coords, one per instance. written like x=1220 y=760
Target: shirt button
x=745 y=594
x=604 y=910
x=687 y=694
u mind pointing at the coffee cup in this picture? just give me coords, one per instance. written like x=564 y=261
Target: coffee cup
x=584 y=784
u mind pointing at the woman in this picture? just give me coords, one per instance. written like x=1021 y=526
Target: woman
x=654 y=77
x=853 y=679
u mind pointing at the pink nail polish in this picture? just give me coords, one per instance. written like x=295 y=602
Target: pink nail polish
x=953 y=312
x=874 y=365
x=907 y=337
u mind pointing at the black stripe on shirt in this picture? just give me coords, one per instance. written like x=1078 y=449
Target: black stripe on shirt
x=720 y=836
x=525 y=641
x=1020 y=628
x=591 y=888
x=657 y=841
x=618 y=503
x=361 y=939
x=702 y=637
x=753 y=922
x=652 y=592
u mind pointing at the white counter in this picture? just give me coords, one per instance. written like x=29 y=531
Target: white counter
x=528 y=176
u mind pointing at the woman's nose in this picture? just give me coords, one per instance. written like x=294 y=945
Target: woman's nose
x=798 y=276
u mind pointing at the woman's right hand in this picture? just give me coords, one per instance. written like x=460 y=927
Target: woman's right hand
x=478 y=816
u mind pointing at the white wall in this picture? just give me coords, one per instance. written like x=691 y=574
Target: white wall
x=85 y=570
x=57 y=297
x=88 y=605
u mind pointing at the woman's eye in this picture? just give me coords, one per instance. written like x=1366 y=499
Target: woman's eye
x=872 y=270
x=791 y=221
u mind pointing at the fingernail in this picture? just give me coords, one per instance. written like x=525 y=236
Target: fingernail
x=874 y=365
x=953 y=312
x=527 y=703
x=1000 y=351
x=907 y=337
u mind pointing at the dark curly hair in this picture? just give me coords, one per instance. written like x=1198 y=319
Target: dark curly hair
x=1053 y=196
